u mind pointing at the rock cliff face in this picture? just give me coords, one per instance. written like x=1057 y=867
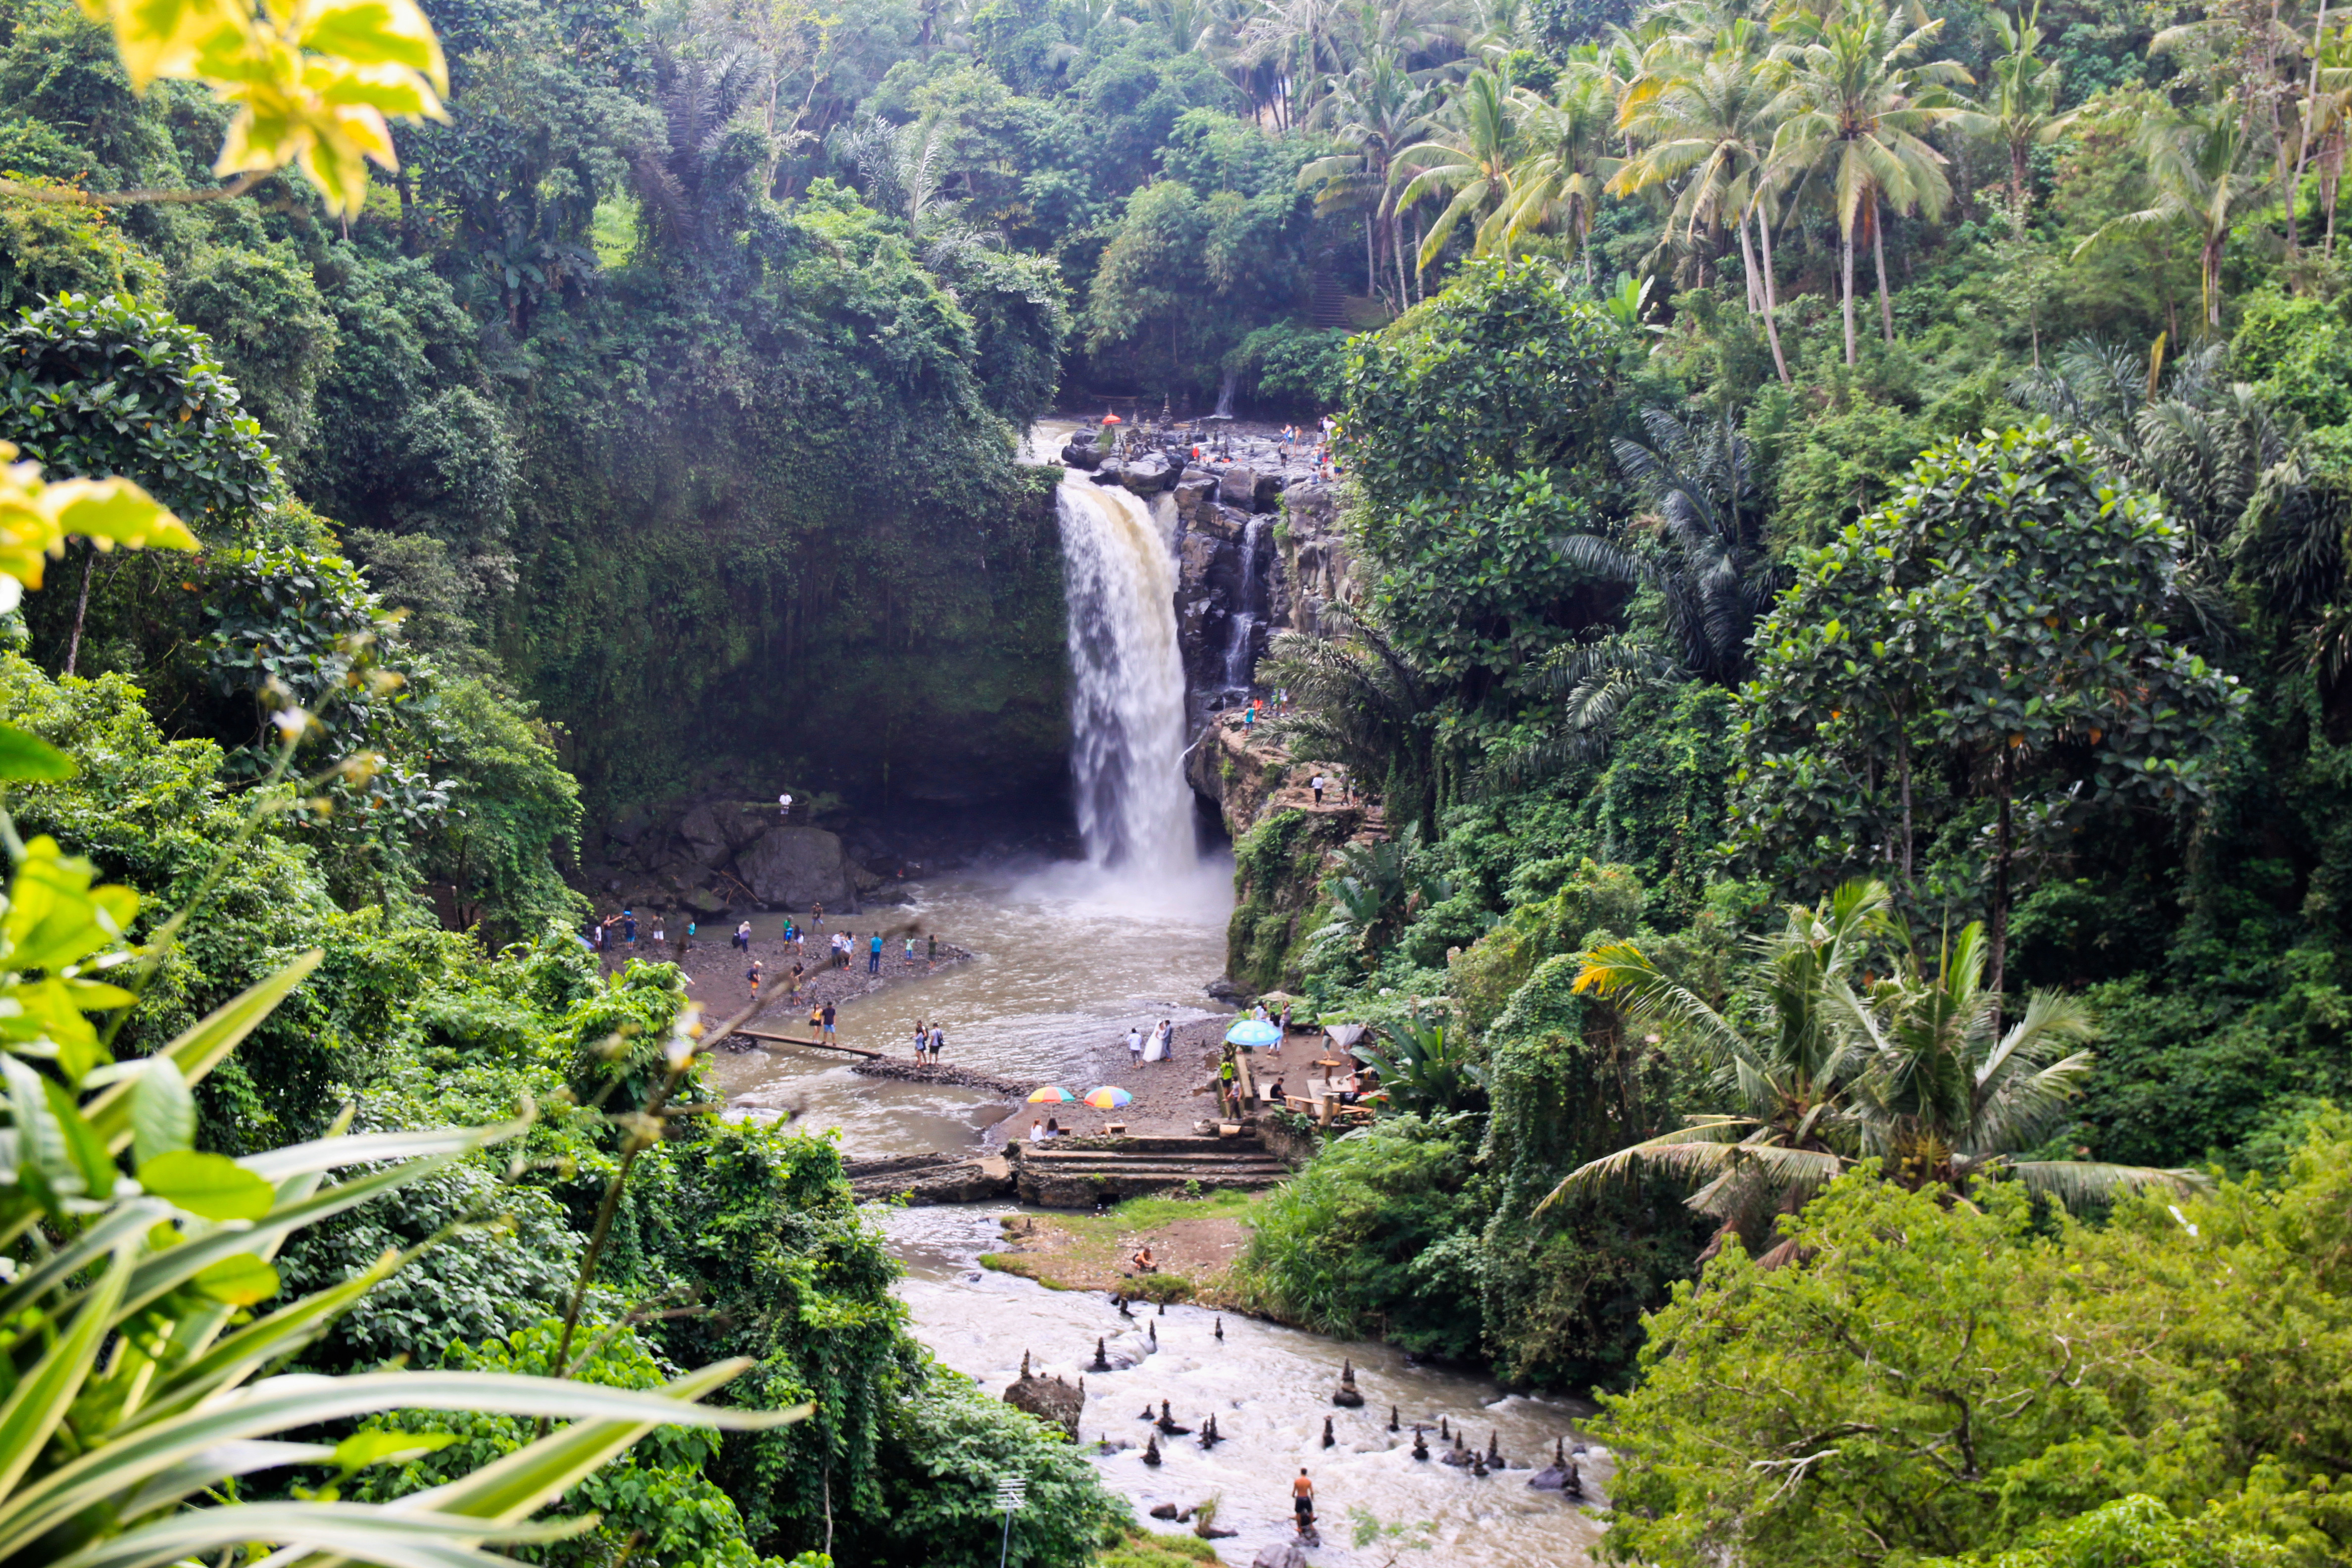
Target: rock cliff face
x=1258 y=546
x=710 y=856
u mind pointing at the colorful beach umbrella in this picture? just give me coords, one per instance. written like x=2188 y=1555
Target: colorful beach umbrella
x=1109 y=1099
x=1253 y=1032
x=1050 y=1096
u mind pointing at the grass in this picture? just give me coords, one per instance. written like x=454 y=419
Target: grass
x=1143 y=1549
x=1094 y=1242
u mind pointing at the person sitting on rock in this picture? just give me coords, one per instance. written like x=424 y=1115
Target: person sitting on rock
x=1037 y=1131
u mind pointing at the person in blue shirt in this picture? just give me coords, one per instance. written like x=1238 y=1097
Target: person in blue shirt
x=629 y=927
x=873 y=956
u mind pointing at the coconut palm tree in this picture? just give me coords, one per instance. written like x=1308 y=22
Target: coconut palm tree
x=1474 y=159
x=1855 y=106
x=1827 y=1066
x=1708 y=124
x=1569 y=162
x=1948 y=1097
x=2022 y=110
x=1375 y=113
x=1782 y=1053
x=2197 y=166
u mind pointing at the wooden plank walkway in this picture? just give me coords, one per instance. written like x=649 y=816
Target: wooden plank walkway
x=813 y=1045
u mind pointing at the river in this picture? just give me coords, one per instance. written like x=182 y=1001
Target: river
x=1068 y=956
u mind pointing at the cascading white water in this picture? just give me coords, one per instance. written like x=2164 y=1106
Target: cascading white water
x=1127 y=681
x=1241 y=637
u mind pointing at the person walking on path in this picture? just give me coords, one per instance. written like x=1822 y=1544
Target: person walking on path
x=1317 y=785
x=873 y=956
x=1302 y=1501
x=828 y=1023
x=752 y=974
x=1134 y=1046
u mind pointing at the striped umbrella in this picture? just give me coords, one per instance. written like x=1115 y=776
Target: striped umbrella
x=1109 y=1099
x=1052 y=1097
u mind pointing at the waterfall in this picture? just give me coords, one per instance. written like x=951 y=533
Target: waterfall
x=1127 y=680
x=1241 y=636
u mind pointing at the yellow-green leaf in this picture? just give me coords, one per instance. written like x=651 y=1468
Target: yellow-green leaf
x=210 y=1186
x=241 y=1281
x=31 y=758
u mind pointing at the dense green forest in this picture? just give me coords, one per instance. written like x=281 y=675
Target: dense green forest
x=1854 y=651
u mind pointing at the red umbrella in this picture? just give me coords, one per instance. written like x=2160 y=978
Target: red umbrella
x=1113 y=419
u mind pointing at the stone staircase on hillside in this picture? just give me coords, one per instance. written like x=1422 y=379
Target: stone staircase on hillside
x=1083 y=1172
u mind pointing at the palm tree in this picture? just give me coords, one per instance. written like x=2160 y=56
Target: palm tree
x=1827 y=1068
x=1788 y=1062
x=1709 y=565
x=1379 y=109
x=1855 y=106
x=1708 y=124
x=1946 y=1099
x=1569 y=164
x=1474 y=160
x=2021 y=112
x=2196 y=163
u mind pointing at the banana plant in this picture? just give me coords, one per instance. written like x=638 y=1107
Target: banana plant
x=142 y=1341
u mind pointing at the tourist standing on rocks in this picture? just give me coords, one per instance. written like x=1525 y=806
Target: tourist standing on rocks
x=939 y=1041
x=1302 y=1501
x=1317 y=785
x=816 y=916
x=922 y=1041
x=1134 y=1046
x=931 y=953
x=1156 y=1049
x=752 y=974
x=873 y=956
x=783 y=806
x=828 y=1023
x=629 y=927
x=659 y=936
x=743 y=936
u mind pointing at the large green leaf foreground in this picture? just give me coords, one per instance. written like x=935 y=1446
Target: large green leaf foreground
x=134 y=1367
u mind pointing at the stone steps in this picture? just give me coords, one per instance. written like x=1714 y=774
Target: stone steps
x=1108 y=1171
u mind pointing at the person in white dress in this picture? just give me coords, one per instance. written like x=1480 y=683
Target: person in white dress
x=1156 y=1049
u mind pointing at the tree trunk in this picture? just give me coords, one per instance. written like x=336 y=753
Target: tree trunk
x=1372 y=267
x=1878 y=255
x=1747 y=265
x=1845 y=267
x=1903 y=772
x=81 y=605
x=2000 y=911
x=1396 y=246
x=2303 y=136
x=1772 y=295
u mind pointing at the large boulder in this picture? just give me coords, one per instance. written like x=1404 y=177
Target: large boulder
x=1081 y=453
x=1281 y=1554
x=1239 y=488
x=1149 y=474
x=1196 y=492
x=794 y=867
x=706 y=833
x=1050 y=1399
